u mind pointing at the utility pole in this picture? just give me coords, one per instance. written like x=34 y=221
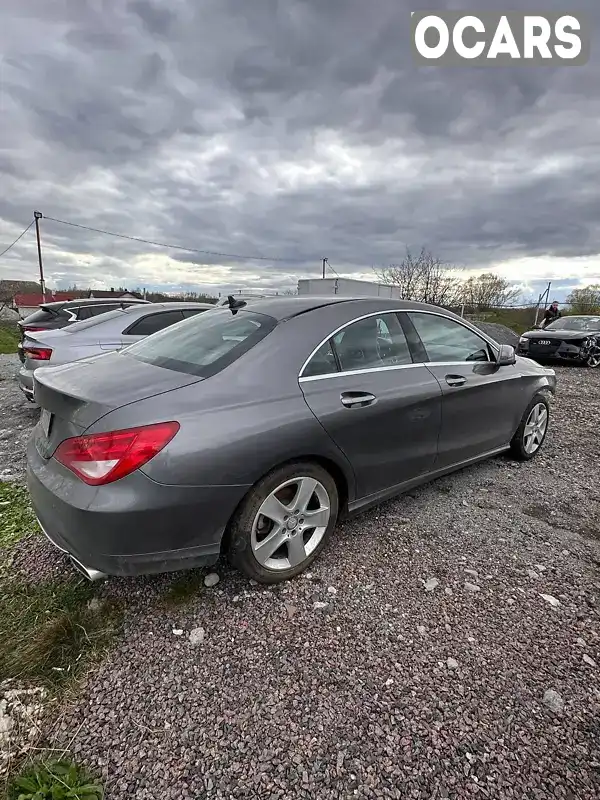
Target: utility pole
x=546 y=294
x=37 y=215
x=324 y=262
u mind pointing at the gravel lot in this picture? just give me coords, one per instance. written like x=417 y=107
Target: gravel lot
x=366 y=678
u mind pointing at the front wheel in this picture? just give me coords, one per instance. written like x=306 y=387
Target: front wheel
x=284 y=522
x=532 y=430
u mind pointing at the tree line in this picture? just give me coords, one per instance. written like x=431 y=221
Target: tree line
x=427 y=279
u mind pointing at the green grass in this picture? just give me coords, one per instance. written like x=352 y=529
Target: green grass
x=517 y=319
x=9 y=339
x=16 y=515
x=55 y=780
x=47 y=630
x=49 y=633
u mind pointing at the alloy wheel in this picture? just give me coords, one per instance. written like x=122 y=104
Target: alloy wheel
x=290 y=523
x=535 y=428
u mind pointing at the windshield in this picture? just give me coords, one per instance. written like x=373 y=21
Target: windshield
x=205 y=344
x=575 y=324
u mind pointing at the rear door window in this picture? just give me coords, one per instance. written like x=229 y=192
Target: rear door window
x=153 y=323
x=204 y=344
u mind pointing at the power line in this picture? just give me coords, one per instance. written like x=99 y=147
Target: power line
x=20 y=236
x=176 y=246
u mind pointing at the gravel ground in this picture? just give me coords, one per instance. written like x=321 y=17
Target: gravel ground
x=446 y=644
x=17 y=417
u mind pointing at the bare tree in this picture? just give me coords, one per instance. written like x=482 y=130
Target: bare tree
x=424 y=278
x=585 y=300
x=488 y=291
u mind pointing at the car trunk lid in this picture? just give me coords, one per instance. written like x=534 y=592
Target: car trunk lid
x=74 y=396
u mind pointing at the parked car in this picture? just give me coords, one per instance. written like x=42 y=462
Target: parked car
x=52 y=316
x=574 y=339
x=251 y=429
x=101 y=334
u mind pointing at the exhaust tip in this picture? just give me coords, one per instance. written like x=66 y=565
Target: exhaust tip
x=90 y=573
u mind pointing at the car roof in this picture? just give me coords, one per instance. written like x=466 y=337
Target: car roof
x=282 y=308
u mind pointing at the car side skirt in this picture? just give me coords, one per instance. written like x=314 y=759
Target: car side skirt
x=363 y=503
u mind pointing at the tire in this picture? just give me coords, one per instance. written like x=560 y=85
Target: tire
x=520 y=446
x=251 y=528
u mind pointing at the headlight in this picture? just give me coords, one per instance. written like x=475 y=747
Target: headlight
x=523 y=340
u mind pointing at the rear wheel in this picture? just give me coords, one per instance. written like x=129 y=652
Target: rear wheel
x=532 y=430
x=284 y=522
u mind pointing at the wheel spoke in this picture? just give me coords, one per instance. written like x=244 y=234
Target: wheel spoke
x=543 y=419
x=274 y=510
x=314 y=519
x=306 y=489
x=529 y=429
x=296 y=550
x=265 y=549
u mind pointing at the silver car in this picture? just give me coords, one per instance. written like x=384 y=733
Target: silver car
x=250 y=429
x=110 y=331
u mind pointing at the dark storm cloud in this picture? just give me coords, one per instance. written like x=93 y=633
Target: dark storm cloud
x=295 y=128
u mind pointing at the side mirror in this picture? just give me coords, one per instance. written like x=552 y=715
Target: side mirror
x=507 y=356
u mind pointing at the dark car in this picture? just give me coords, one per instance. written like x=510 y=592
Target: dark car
x=251 y=429
x=59 y=314
x=574 y=339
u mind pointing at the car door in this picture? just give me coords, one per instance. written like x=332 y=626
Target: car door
x=382 y=410
x=151 y=323
x=482 y=403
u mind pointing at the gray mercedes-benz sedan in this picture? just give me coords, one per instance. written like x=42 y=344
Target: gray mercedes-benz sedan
x=251 y=428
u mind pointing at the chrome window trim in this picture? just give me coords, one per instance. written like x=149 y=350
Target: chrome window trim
x=368 y=370
x=462 y=322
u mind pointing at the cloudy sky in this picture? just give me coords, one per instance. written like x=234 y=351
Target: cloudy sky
x=287 y=129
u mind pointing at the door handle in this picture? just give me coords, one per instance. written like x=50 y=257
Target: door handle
x=357 y=399
x=455 y=380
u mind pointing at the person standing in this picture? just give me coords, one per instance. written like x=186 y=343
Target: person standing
x=551 y=314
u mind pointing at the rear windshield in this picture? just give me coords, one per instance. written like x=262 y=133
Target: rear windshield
x=43 y=315
x=205 y=344
x=83 y=325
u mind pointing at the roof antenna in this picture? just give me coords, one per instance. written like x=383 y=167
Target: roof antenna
x=234 y=304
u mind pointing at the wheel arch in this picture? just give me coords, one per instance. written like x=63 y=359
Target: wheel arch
x=344 y=484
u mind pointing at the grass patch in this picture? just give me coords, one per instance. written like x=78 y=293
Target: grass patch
x=17 y=519
x=57 y=780
x=48 y=632
x=9 y=339
x=517 y=319
x=183 y=589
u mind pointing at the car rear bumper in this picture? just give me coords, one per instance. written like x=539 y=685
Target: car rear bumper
x=133 y=526
x=26 y=382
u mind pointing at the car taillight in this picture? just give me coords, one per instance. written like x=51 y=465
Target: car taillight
x=32 y=328
x=38 y=353
x=100 y=458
